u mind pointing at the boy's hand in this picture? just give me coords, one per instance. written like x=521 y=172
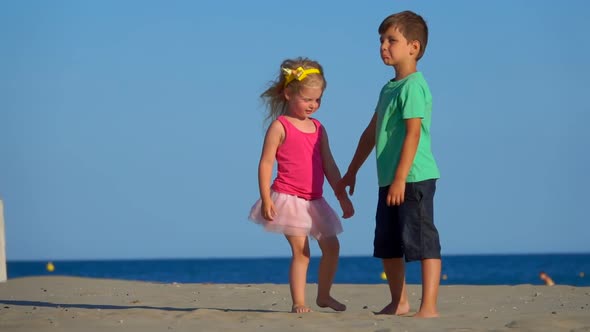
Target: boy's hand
x=348 y=180
x=347 y=207
x=268 y=210
x=396 y=193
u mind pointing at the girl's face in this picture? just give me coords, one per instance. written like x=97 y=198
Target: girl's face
x=304 y=103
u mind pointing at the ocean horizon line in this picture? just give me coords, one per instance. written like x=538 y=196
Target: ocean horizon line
x=167 y=258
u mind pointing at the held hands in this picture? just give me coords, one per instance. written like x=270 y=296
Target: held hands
x=396 y=193
x=348 y=180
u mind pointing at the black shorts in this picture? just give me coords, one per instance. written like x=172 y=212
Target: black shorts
x=407 y=230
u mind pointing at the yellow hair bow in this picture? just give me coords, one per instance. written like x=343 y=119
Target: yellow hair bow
x=298 y=74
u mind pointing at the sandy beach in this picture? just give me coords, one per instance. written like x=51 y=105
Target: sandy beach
x=84 y=304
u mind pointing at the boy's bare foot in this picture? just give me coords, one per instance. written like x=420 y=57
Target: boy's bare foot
x=426 y=314
x=300 y=308
x=331 y=303
x=395 y=309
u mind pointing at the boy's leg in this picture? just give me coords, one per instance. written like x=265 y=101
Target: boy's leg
x=327 y=270
x=388 y=246
x=298 y=271
x=396 y=278
x=431 y=269
x=421 y=240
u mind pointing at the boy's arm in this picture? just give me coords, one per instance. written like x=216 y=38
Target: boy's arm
x=363 y=150
x=272 y=140
x=410 y=146
x=333 y=176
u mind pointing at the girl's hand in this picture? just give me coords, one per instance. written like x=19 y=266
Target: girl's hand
x=268 y=210
x=396 y=193
x=347 y=207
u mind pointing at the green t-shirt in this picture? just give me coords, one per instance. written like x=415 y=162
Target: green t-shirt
x=399 y=100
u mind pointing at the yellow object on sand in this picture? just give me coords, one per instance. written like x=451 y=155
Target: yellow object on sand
x=50 y=267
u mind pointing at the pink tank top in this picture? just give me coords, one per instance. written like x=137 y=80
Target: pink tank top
x=300 y=169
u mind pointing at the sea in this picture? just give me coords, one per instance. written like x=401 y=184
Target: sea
x=514 y=269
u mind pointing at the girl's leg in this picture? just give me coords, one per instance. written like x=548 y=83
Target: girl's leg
x=328 y=264
x=298 y=271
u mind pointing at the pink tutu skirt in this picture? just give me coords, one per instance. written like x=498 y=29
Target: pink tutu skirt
x=299 y=217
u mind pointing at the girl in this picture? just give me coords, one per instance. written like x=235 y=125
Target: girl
x=294 y=205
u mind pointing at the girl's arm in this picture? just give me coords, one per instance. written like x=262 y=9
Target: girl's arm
x=333 y=176
x=330 y=168
x=272 y=140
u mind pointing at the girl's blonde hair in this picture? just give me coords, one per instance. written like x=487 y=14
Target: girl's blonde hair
x=274 y=96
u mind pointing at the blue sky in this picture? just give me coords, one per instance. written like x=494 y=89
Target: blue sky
x=132 y=129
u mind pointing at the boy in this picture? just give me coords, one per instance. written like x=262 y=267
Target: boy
x=406 y=169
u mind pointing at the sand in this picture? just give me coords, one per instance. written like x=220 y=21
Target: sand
x=82 y=304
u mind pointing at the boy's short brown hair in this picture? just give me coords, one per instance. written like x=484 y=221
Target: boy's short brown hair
x=411 y=25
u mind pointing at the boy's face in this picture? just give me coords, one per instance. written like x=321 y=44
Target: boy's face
x=395 y=48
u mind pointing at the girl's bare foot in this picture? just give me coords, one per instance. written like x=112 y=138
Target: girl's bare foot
x=395 y=309
x=331 y=303
x=300 y=308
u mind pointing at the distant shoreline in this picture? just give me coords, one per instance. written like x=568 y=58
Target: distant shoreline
x=570 y=269
x=272 y=257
